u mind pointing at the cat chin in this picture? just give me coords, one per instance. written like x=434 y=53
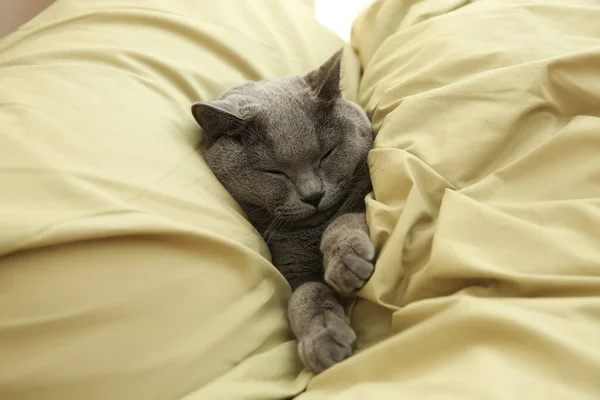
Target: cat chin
x=318 y=217
x=257 y=215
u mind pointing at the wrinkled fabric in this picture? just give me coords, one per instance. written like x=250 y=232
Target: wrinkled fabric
x=486 y=203
x=126 y=270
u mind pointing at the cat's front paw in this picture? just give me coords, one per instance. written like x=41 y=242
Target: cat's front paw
x=328 y=342
x=348 y=258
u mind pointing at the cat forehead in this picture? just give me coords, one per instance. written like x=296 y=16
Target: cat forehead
x=286 y=114
x=280 y=107
x=291 y=135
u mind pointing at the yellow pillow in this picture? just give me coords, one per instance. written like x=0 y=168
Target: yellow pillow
x=485 y=208
x=126 y=270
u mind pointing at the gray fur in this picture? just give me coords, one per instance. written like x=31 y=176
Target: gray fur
x=293 y=153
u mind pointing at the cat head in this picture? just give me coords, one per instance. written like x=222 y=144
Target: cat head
x=290 y=146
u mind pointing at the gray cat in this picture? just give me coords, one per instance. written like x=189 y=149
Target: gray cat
x=293 y=153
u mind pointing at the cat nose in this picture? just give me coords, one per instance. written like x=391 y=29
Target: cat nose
x=314 y=198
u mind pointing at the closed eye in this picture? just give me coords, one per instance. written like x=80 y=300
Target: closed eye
x=328 y=154
x=273 y=172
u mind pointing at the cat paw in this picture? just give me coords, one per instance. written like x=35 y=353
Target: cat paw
x=327 y=343
x=348 y=260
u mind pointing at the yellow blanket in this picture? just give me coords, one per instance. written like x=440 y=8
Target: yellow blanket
x=486 y=203
x=127 y=272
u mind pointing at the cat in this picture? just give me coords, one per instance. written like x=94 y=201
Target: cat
x=293 y=153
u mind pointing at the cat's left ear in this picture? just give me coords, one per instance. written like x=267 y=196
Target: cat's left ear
x=325 y=80
x=218 y=118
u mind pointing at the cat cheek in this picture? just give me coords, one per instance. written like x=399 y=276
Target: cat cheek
x=278 y=195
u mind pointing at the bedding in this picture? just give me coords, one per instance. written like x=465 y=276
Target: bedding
x=486 y=203
x=126 y=270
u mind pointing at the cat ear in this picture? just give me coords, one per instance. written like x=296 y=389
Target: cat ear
x=325 y=80
x=217 y=118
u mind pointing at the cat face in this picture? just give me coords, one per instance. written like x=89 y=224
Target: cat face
x=289 y=147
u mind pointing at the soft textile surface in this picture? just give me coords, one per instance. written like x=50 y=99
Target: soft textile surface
x=486 y=203
x=126 y=270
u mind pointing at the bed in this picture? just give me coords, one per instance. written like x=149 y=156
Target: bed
x=128 y=272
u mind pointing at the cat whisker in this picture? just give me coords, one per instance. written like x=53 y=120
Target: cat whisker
x=372 y=171
x=269 y=235
x=268 y=220
x=279 y=225
x=273 y=223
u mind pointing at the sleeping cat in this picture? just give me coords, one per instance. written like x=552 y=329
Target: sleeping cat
x=293 y=154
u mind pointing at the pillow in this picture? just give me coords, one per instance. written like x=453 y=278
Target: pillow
x=485 y=210
x=126 y=270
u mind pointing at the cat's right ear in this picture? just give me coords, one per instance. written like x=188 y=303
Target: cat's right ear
x=218 y=118
x=325 y=80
